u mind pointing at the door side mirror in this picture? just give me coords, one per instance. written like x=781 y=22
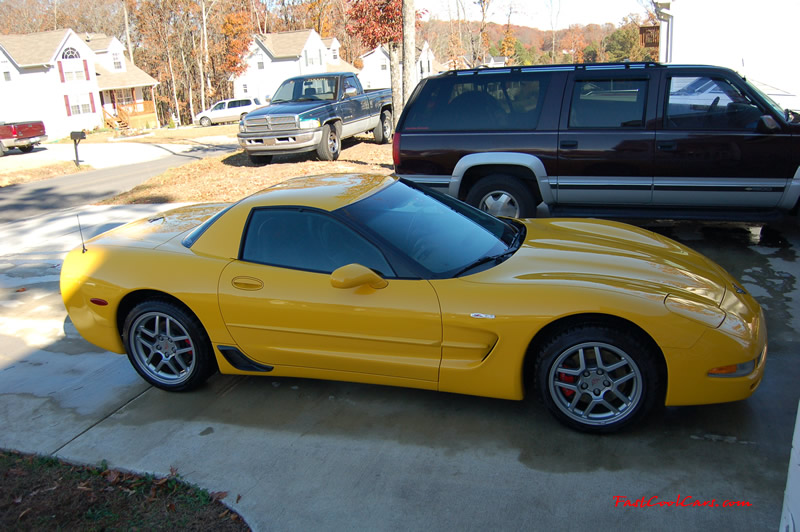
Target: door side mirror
x=767 y=124
x=355 y=275
x=349 y=92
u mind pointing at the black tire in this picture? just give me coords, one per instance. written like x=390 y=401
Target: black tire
x=205 y=121
x=572 y=392
x=26 y=149
x=168 y=346
x=260 y=160
x=383 y=131
x=502 y=195
x=331 y=143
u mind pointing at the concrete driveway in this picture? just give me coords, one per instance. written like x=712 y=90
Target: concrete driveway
x=313 y=455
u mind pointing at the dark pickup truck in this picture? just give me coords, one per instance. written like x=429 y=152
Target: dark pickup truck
x=315 y=112
x=628 y=139
x=21 y=135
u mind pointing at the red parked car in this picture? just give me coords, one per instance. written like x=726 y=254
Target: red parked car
x=22 y=135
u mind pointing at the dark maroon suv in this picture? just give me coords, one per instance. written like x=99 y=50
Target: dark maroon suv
x=640 y=139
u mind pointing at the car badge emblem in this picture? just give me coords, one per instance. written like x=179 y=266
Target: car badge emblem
x=481 y=316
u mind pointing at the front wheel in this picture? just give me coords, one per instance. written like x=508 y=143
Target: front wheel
x=383 y=131
x=502 y=195
x=205 y=121
x=330 y=145
x=26 y=149
x=597 y=379
x=168 y=346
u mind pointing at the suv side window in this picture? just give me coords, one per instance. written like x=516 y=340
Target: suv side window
x=608 y=104
x=307 y=240
x=699 y=102
x=483 y=101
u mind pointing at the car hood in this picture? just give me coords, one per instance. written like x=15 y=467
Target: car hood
x=289 y=108
x=159 y=228
x=611 y=254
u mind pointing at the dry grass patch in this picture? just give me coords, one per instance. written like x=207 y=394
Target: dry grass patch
x=40 y=173
x=231 y=177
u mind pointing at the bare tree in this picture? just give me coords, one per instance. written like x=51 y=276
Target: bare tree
x=555 y=9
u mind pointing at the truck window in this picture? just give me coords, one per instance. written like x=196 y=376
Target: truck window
x=608 y=104
x=478 y=102
x=304 y=89
x=351 y=83
x=699 y=102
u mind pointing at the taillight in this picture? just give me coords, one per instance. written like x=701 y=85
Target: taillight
x=396 y=150
x=14 y=132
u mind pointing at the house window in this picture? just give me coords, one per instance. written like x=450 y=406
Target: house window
x=305 y=55
x=117 y=61
x=80 y=104
x=70 y=53
x=123 y=96
x=74 y=75
x=7 y=76
x=244 y=88
x=383 y=66
x=335 y=53
x=261 y=65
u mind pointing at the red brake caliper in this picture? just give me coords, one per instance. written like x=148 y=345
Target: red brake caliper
x=569 y=379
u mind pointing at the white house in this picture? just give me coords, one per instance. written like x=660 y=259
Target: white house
x=57 y=77
x=274 y=57
x=376 y=72
x=755 y=39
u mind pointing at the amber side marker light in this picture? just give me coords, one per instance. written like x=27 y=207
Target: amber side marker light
x=734 y=370
x=99 y=302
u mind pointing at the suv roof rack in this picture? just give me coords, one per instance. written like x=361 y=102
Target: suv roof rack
x=559 y=66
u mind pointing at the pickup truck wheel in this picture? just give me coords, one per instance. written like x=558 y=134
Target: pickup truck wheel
x=260 y=160
x=205 y=121
x=330 y=145
x=502 y=195
x=26 y=149
x=383 y=131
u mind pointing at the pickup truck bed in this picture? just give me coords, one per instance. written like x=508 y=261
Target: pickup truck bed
x=22 y=135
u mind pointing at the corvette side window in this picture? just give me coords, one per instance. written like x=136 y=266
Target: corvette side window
x=307 y=240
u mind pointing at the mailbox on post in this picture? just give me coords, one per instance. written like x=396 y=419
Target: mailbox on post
x=76 y=137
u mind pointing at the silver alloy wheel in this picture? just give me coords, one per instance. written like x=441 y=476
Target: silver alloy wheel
x=333 y=141
x=387 y=128
x=499 y=203
x=595 y=383
x=162 y=347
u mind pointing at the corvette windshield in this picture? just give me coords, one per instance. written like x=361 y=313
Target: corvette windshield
x=444 y=236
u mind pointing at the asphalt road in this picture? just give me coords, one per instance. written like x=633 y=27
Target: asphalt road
x=40 y=197
x=306 y=454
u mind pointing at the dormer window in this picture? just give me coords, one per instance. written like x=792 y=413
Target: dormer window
x=117 y=58
x=70 y=53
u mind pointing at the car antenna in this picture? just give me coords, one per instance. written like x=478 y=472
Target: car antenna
x=83 y=245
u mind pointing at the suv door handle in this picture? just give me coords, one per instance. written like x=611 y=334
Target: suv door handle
x=667 y=146
x=569 y=144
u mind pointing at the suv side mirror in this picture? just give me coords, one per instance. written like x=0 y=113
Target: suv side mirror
x=349 y=92
x=767 y=124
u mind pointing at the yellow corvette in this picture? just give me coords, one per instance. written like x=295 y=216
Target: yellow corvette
x=371 y=279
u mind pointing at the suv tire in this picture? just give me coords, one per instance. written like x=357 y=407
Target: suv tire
x=502 y=195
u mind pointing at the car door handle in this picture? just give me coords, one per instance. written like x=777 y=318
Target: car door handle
x=667 y=146
x=569 y=144
x=247 y=283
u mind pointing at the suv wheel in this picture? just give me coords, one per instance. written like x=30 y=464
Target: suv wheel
x=205 y=121
x=502 y=195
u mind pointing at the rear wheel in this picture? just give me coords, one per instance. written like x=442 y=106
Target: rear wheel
x=383 y=131
x=260 y=160
x=330 y=145
x=205 y=121
x=502 y=195
x=597 y=379
x=168 y=346
x=26 y=149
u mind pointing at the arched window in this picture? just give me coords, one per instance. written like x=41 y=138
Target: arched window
x=70 y=53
